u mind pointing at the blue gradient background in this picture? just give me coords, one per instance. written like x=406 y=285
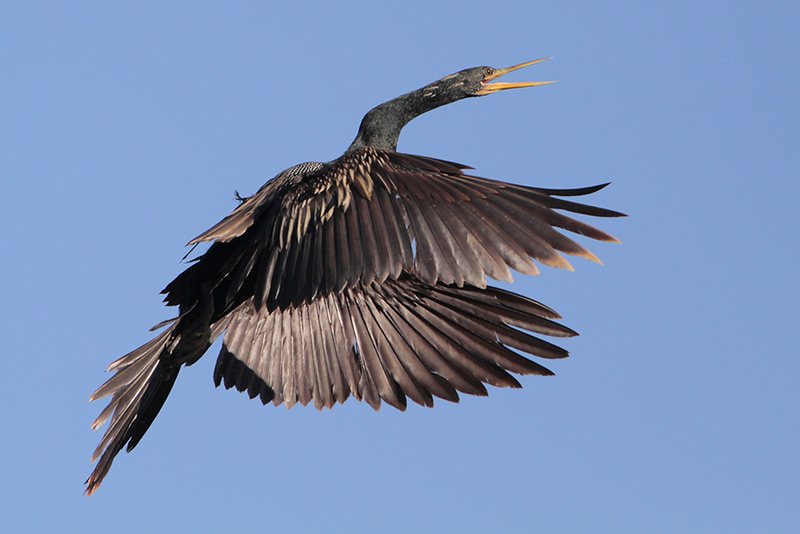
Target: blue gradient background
x=126 y=129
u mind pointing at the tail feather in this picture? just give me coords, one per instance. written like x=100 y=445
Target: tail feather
x=139 y=388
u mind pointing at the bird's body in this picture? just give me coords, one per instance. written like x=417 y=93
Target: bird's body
x=364 y=276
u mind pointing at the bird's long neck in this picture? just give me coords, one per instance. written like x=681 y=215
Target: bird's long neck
x=380 y=128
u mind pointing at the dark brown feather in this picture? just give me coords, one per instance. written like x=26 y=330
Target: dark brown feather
x=386 y=342
x=355 y=213
x=363 y=276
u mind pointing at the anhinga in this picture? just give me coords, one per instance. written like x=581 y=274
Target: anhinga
x=364 y=276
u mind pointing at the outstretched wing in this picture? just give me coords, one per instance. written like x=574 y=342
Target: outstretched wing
x=373 y=215
x=366 y=277
x=402 y=338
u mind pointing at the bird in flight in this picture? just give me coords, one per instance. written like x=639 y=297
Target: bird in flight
x=363 y=276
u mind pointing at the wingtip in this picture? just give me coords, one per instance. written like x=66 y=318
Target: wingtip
x=565 y=264
x=595 y=259
x=92 y=485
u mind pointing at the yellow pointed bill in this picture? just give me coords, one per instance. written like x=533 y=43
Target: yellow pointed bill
x=490 y=88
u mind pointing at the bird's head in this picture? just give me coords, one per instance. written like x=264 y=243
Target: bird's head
x=477 y=81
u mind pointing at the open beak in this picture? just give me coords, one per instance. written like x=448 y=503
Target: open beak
x=489 y=88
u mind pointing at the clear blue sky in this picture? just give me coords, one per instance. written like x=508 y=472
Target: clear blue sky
x=125 y=131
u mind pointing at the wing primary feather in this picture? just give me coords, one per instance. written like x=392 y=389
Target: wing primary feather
x=327 y=350
x=319 y=355
x=298 y=276
x=475 y=352
x=389 y=357
x=487 y=337
x=304 y=370
x=467 y=254
x=573 y=192
x=343 y=267
x=436 y=354
x=266 y=271
x=408 y=346
x=544 y=230
x=414 y=379
x=453 y=263
x=491 y=262
x=370 y=356
x=567 y=205
x=289 y=359
x=345 y=341
x=357 y=256
x=383 y=249
x=276 y=359
x=365 y=387
x=312 y=357
x=369 y=243
x=555 y=218
x=330 y=264
x=429 y=263
x=241 y=352
x=533 y=245
x=317 y=271
x=277 y=277
x=261 y=366
x=404 y=256
x=480 y=223
x=508 y=317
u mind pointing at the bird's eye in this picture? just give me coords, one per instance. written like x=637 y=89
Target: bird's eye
x=488 y=71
